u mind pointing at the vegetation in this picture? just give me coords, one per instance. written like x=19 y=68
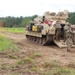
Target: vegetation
x=29 y=65
x=71 y=18
x=36 y=54
x=48 y=68
x=6 y=44
x=15 y=30
x=23 y=21
x=16 y=21
x=52 y=68
x=24 y=61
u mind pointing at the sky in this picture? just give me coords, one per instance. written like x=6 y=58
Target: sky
x=24 y=8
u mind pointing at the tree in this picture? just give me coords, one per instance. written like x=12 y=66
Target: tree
x=25 y=21
x=17 y=21
x=71 y=18
x=34 y=16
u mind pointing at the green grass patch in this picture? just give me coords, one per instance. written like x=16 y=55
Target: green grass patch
x=50 y=65
x=52 y=68
x=36 y=54
x=26 y=60
x=33 y=68
x=2 y=35
x=6 y=44
x=15 y=30
x=64 y=71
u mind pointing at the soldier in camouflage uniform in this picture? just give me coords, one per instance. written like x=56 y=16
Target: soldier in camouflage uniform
x=69 y=41
x=58 y=32
x=38 y=20
x=73 y=33
x=66 y=30
x=74 y=39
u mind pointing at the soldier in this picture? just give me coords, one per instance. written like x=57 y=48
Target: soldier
x=38 y=20
x=69 y=41
x=58 y=31
x=74 y=39
x=72 y=31
x=66 y=29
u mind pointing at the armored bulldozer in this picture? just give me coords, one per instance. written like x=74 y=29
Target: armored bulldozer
x=43 y=29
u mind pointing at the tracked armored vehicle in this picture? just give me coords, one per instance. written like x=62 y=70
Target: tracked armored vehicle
x=43 y=29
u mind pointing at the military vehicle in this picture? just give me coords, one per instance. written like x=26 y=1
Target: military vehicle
x=43 y=29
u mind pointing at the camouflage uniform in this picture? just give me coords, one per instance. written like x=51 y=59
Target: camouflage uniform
x=38 y=20
x=66 y=30
x=69 y=41
x=58 y=31
x=74 y=39
x=73 y=33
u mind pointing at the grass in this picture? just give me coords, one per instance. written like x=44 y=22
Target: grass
x=6 y=44
x=24 y=61
x=64 y=71
x=36 y=54
x=50 y=65
x=4 y=66
x=2 y=35
x=12 y=56
x=15 y=30
x=33 y=68
x=52 y=68
x=47 y=68
x=28 y=60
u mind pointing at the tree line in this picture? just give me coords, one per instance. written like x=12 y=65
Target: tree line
x=71 y=18
x=17 y=21
x=23 y=21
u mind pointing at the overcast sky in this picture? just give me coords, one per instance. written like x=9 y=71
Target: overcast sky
x=32 y=7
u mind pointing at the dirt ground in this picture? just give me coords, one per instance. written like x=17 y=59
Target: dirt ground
x=48 y=53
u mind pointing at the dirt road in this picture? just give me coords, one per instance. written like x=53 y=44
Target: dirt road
x=48 y=53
